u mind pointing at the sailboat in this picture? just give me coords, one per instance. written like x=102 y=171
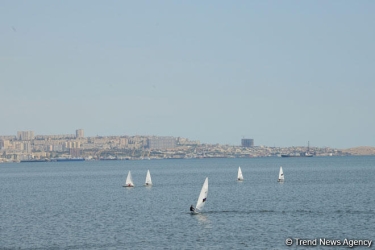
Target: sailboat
x=129 y=180
x=148 y=181
x=281 y=175
x=239 y=175
x=202 y=198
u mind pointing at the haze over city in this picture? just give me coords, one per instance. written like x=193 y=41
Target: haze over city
x=280 y=72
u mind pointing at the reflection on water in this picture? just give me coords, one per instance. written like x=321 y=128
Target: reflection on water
x=203 y=220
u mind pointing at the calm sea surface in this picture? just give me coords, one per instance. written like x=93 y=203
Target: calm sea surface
x=82 y=205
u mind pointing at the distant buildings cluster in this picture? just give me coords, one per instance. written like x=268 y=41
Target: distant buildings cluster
x=28 y=146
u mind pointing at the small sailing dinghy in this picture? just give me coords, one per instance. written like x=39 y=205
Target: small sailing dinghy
x=148 y=181
x=239 y=175
x=281 y=175
x=129 y=180
x=202 y=198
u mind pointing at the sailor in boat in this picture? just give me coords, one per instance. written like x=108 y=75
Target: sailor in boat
x=192 y=209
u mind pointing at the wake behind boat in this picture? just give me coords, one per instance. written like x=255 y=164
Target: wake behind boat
x=201 y=199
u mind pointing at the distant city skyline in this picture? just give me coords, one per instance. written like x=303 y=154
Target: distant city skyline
x=30 y=147
x=80 y=133
x=280 y=72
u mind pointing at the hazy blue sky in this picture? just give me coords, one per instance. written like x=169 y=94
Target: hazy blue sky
x=280 y=72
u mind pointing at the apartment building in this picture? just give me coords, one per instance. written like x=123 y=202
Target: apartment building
x=25 y=135
x=247 y=142
x=162 y=142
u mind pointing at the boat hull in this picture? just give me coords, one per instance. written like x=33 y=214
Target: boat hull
x=296 y=155
x=34 y=161
x=70 y=159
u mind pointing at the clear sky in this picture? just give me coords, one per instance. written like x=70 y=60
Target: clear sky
x=280 y=72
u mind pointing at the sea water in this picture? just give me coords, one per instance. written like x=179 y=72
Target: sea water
x=82 y=205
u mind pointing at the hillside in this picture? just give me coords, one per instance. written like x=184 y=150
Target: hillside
x=364 y=150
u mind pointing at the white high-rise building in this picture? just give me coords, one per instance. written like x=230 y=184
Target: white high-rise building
x=25 y=135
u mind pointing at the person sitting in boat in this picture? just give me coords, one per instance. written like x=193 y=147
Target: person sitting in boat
x=192 y=209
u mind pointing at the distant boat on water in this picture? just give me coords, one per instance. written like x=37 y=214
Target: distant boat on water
x=129 y=180
x=303 y=154
x=68 y=159
x=53 y=160
x=239 y=175
x=202 y=198
x=36 y=160
x=148 y=181
x=281 y=175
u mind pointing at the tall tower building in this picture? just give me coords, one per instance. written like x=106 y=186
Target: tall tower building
x=79 y=133
x=247 y=143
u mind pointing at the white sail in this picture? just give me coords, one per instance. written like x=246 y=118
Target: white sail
x=281 y=174
x=129 y=180
x=202 y=196
x=239 y=176
x=148 y=181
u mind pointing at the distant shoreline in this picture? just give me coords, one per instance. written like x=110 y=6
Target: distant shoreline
x=201 y=158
